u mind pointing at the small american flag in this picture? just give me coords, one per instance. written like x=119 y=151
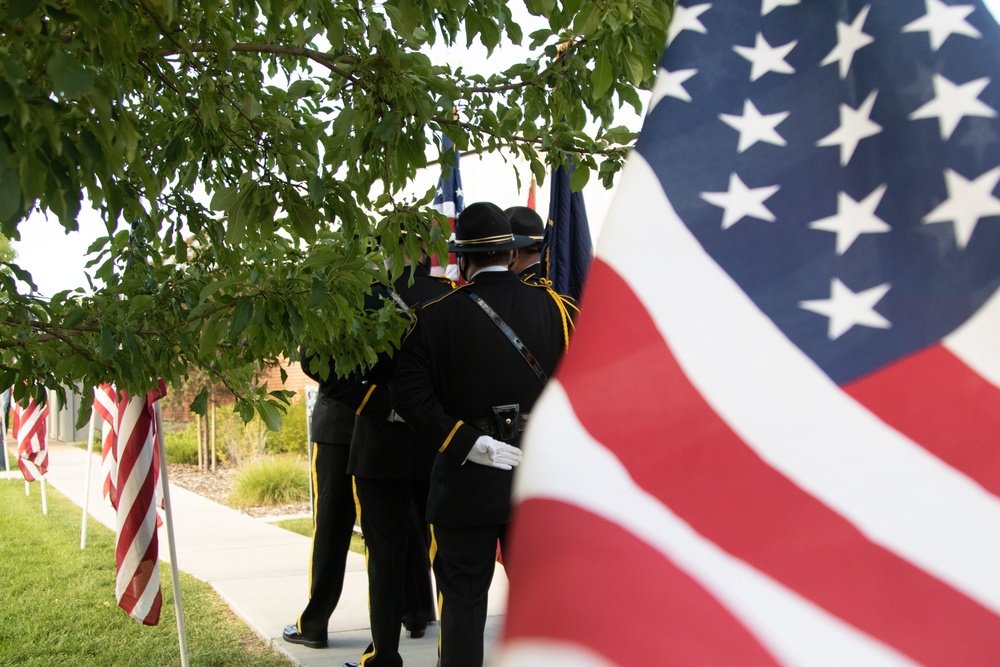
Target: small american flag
x=792 y=456
x=106 y=405
x=449 y=201
x=29 y=430
x=137 y=586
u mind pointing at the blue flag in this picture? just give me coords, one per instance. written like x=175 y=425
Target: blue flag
x=567 y=250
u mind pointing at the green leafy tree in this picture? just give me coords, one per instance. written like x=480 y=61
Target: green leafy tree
x=7 y=254
x=248 y=156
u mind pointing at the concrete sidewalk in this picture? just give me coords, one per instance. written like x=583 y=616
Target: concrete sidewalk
x=260 y=570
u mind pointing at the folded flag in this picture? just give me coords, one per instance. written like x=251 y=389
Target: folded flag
x=137 y=586
x=106 y=405
x=29 y=430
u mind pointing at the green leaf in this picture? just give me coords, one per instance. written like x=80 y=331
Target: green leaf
x=636 y=69
x=74 y=317
x=270 y=414
x=320 y=257
x=69 y=77
x=213 y=287
x=578 y=179
x=211 y=332
x=140 y=303
x=241 y=316
x=21 y=9
x=200 y=404
x=224 y=198
x=600 y=77
x=107 y=346
x=300 y=88
x=10 y=196
x=240 y=214
x=6 y=99
x=317 y=294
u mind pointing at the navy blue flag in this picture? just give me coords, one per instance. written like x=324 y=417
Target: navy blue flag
x=567 y=250
x=775 y=439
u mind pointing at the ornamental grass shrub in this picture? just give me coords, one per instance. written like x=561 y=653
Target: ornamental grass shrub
x=291 y=439
x=271 y=480
x=181 y=443
x=239 y=443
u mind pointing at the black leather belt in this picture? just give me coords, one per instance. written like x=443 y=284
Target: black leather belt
x=487 y=427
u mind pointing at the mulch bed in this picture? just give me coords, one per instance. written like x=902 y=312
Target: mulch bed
x=215 y=486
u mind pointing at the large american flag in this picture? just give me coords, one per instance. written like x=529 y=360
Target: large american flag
x=449 y=201
x=793 y=455
x=137 y=586
x=29 y=430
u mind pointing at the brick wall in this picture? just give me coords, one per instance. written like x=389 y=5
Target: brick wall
x=297 y=379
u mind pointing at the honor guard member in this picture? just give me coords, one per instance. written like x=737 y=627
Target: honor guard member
x=527 y=261
x=333 y=512
x=391 y=469
x=467 y=377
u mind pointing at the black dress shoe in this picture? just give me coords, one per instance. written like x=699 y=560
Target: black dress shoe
x=292 y=635
x=415 y=626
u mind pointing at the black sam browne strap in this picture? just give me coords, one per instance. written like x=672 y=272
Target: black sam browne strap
x=512 y=337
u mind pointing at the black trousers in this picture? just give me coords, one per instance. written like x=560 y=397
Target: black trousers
x=464 y=560
x=333 y=524
x=399 y=580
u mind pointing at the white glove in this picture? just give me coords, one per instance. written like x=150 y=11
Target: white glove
x=494 y=454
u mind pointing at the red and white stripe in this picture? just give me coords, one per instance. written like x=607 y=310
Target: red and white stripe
x=106 y=405
x=137 y=586
x=700 y=492
x=29 y=430
x=450 y=271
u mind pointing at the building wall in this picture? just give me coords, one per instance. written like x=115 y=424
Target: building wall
x=297 y=379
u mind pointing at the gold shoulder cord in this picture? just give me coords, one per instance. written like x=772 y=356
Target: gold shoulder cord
x=564 y=304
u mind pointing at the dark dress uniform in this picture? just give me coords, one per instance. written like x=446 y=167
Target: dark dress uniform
x=454 y=367
x=526 y=222
x=531 y=273
x=391 y=469
x=333 y=514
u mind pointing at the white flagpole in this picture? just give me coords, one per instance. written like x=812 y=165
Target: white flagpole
x=86 y=483
x=178 y=607
x=3 y=440
x=45 y=506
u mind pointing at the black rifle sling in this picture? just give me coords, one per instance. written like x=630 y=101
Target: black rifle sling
x=512 y=337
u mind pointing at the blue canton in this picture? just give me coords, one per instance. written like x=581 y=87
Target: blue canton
x=449 y=189
x=840 y=160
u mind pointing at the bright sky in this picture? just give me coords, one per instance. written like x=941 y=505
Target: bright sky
x=56 y=260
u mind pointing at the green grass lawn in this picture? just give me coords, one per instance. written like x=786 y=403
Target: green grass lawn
x=57 y=602
x=305 y=527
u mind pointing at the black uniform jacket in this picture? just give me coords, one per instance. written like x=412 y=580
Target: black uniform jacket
x=382 y=449
x=455 y=365
x=331 y=423
x=532 y=273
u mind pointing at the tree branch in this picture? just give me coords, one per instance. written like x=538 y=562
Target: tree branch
x=326 y=60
